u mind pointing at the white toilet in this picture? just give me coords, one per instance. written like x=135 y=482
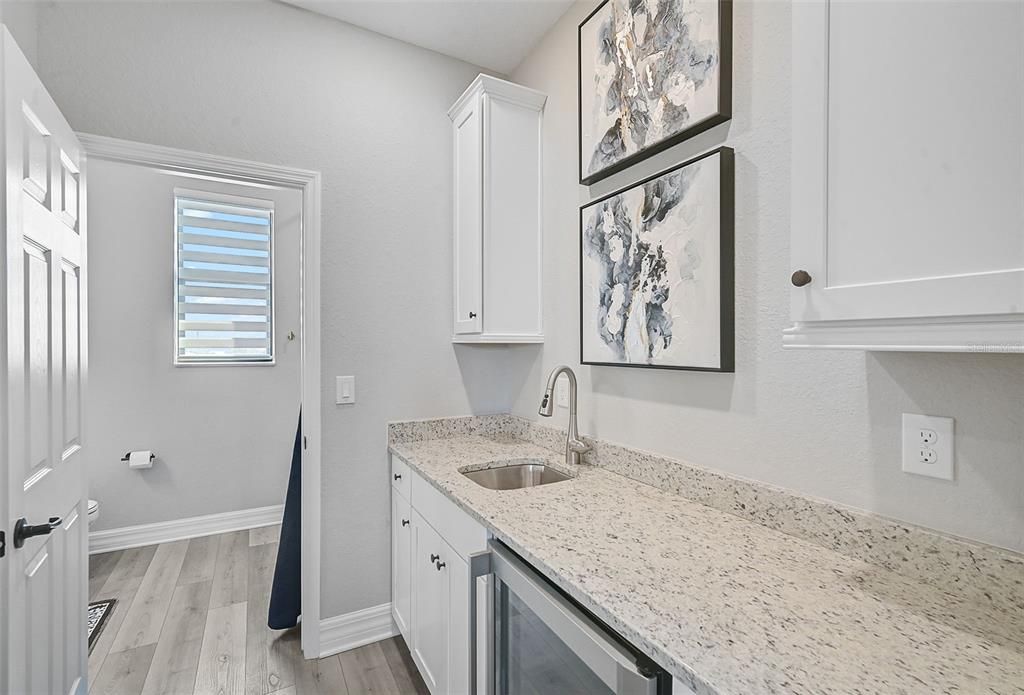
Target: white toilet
x=94 y=511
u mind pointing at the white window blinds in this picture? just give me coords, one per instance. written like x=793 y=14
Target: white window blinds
x=224 y=280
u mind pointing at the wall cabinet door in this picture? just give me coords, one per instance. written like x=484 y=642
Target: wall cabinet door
x=431 y=621
x=906 y=217
x=468 y=219
x=401 y=555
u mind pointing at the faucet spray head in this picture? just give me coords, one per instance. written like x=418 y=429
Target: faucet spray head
x=546 y=405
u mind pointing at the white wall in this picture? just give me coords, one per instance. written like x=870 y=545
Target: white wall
x=223 y=435
x=270 y=82
x=823 y=423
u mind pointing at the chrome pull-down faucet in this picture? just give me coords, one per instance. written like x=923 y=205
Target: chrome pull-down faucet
x=574 y=446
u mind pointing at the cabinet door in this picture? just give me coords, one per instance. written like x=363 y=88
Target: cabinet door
x=401 y=549
x=430 y=606
x=906 y=203
x=457 y=570
x=468 y=244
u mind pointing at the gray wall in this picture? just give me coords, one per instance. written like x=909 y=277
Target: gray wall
x=823 y=423
x=21 y=18
x=270 y=82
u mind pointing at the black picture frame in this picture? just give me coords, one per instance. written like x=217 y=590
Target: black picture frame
x=723 y=115
x=727 y=290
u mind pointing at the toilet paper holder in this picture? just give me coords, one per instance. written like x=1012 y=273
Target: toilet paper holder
x=126 y=457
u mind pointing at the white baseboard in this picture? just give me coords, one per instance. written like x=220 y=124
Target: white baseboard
x=179 y=529
x=344 y=632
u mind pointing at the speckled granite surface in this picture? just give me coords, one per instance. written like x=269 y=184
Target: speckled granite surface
x=728 y=604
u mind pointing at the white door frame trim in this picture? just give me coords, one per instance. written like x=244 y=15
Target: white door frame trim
x=307 y=181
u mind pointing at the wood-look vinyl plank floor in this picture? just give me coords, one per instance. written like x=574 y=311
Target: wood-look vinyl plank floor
x=100 y=567
x=177 y=653
x=222 y=656
x=130 y=569
x=264 y=534
x=101 y=648
x=124 y=672
x=231 y=573
x=367 y=671
x=200 y=560
x=204 y=603
x=402 y=667
x=268 y=663
x=145 y=619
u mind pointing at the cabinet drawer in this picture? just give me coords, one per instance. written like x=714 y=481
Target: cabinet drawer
x=463 y=533
x=400 y=476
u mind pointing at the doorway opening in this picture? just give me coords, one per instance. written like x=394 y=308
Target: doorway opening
x=209 y=267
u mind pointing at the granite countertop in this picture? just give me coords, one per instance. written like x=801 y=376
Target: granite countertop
x=728 y=606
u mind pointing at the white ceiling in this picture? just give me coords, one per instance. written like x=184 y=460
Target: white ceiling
x=494 y=34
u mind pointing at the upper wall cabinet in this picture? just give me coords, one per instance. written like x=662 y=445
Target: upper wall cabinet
x=908 y=176
x=497 y=135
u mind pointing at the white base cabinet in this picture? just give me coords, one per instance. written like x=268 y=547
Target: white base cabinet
x=430 y=579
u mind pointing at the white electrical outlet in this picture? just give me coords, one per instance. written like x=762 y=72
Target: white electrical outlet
x=928 y=446
x=562 y=392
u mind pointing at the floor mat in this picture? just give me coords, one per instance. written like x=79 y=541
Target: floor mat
x=99 y=611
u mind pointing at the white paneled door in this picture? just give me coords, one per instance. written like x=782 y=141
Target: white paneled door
x=43 y=500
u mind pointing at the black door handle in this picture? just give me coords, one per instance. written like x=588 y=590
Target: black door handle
x=23 y=530
x=472 y=314
x=405 y=522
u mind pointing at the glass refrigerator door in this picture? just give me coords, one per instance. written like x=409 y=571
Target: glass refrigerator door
x=538 y=642
x=533 y=659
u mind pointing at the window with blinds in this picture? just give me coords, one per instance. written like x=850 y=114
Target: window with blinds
x=224 y=280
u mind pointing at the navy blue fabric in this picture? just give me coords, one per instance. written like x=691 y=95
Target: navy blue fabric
x=286 y=592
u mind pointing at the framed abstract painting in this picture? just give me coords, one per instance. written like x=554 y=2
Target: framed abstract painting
x=656 y=270
x=651 y=74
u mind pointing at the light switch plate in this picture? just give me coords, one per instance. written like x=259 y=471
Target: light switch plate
x=346 y=390
x=928 y=445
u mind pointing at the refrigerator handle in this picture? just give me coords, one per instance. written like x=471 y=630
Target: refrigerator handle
x=481 y=650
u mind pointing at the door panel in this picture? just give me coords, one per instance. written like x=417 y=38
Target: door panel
x=39 y=588
x=37 y=359
x=72 y=346
x=457 y=571
x=73 y=651
x=401 y=534
x=468 y=221
x=44 y=358
x=36 y=163
x=430 y=621
x=69 y=191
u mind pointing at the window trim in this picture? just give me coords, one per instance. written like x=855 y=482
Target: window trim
x=218 y=197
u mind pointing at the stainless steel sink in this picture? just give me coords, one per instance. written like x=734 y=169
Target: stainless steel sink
x=516 y=474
